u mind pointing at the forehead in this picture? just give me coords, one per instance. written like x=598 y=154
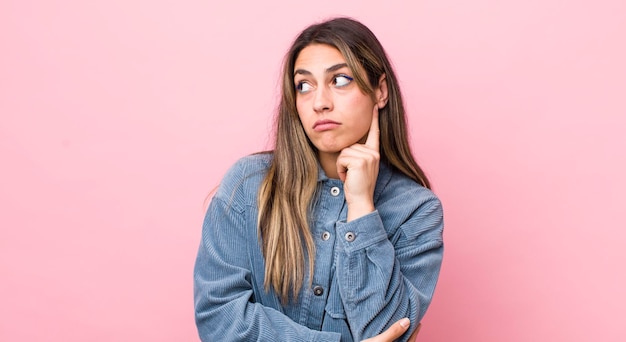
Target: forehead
x=318 y=56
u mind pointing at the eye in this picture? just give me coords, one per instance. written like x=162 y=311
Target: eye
x=303 y=87
x=342 y=80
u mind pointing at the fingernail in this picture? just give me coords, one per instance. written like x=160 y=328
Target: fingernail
x=405 y=322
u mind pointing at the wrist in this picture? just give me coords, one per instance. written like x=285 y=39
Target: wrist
x=356 y=210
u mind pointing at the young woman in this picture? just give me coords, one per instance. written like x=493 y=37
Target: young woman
x=334 y=235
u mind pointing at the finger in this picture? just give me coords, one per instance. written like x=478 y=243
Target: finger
x=352 y=159
x=373 y=136
x=342 y=165
x=343 y=162
x=360 y=150
x=413 y=336
x=395 y=330
x=342 y=172
x=359 y=158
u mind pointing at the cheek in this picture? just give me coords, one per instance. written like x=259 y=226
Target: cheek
x=361 y=108
x=301 y=116
x=362 y=114
x=299 y=104
x=303 y=112
x=358 y=101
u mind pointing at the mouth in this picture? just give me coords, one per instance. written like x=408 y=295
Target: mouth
x=324 y=125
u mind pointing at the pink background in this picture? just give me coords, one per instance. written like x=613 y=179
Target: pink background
x=119 y=117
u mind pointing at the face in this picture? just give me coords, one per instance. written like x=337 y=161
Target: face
x=334 y=111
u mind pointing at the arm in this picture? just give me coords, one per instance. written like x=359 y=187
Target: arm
x=394 y=331
x=223 y=308
x=225 y=305
x=390 y=280
x=381 y=278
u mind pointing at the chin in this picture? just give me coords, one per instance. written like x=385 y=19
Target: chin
x=330 y=148
x=334 y=145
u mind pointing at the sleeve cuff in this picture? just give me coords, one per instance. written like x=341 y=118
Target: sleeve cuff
x=361 y=233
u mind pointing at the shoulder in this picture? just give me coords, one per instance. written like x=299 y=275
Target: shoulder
x=251 y=164
x=398 y=188
x=401 y=187
x=242 y=180
x=403 y=199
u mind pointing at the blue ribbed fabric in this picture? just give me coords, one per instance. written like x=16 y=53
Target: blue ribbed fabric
x=371 y=271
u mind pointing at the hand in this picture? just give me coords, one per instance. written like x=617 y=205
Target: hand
x=357 y=166
x=394 y=331
x=413 y=336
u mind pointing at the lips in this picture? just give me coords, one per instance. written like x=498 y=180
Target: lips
x=324 y=125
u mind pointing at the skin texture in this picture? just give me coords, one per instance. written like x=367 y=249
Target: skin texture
x=347 y=139
x=327 y=95
x=395 y=331
x=342 y=123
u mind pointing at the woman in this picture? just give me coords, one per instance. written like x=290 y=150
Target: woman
x=334 y=235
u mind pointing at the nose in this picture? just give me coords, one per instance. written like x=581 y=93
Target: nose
x=323 y=100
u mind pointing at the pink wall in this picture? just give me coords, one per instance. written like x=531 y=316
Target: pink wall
x=118 y=118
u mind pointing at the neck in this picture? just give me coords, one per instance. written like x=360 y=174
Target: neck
x=328 y=161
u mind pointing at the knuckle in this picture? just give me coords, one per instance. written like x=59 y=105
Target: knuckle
x=373 y=157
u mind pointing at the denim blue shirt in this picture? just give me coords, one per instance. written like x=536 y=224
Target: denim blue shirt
x=368 y=273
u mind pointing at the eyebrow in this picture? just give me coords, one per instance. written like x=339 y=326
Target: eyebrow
x=329 y=70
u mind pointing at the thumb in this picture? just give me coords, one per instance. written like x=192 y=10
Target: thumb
x=395 y=331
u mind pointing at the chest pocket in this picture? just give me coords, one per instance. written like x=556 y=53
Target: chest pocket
x=334 y=306
x=335 y=317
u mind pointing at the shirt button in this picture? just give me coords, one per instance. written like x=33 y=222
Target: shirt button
x=325 y=236
x=335 y=191
x=318 y=290
x=350 y=236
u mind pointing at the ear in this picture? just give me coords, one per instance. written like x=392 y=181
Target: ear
x=382 y=92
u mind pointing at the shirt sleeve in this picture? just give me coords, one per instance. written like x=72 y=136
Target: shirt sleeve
x=223 y=291
x=383 y=279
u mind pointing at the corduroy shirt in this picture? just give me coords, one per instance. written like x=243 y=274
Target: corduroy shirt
x=368 y=273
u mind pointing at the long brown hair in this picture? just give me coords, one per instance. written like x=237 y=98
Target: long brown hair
x=288 y=190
